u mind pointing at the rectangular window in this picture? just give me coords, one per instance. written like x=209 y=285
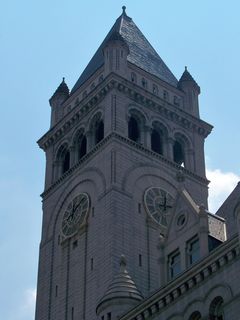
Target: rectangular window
x=91 y=264
x=174 y=263
x=72 y=314
x=109 y=316
x=193 y=250
x=140 y=260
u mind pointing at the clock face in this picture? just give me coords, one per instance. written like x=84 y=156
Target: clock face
x=75 y=214
x=159 y=204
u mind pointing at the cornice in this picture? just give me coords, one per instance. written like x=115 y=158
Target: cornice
x=134 y=92
x=222 y=256
x=135 y=146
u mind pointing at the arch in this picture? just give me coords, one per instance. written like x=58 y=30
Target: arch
x=216 y=309
x=96 y=128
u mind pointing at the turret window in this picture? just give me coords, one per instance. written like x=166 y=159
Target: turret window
x=133 y=130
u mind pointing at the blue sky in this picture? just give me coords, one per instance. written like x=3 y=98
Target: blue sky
x=42 y=41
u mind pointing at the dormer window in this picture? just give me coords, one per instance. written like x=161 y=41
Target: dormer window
x=165 y=95
x=100 y=79
x=144 y=83
x=193 y=251
x=92 y=86
x=155 y=89
x=176 y=101
x=133 y=77
x=84 y=94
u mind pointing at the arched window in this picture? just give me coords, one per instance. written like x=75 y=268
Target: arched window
x=66 y=162
x=196 y=315
x=133 y=129
x=63 y=160
x=99 y=131
x=81 y=146
x=216 y=309
x=156 y=141
x=178 y=153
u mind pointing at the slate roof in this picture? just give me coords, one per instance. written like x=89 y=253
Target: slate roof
x=141 y=53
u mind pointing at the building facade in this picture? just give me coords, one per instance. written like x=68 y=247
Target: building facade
x=126 y=232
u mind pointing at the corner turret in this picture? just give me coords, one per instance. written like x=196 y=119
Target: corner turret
x=191 y=89
x=57 y=99
x=121 y=295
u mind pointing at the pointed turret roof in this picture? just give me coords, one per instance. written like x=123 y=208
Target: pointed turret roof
x=186 y=76
x=141 y=53
x=122 y=286
x=61 y=89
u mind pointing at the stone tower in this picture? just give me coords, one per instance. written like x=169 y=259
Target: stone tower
x=125 y=173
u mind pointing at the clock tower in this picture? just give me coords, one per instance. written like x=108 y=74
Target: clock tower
x=125 y=174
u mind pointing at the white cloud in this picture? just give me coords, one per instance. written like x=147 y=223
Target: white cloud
x=27 y=308
x=221 y=185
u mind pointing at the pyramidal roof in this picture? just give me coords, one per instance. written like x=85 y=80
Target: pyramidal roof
x=122 y=286
x=141 y=53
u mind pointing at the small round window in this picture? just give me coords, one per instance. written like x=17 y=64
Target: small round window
x=181 y=220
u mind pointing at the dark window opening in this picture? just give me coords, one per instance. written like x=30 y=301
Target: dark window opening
x=66 y=162
x=213 y=243
x=196 y=315
x=178 y=153
x=91 y=264
x=140 y=260
x=133 y=130
x=72 y=314
x=75 y=244
x=109 y=316
x=156 y=143
x=92 y=211
x=82 y=147
x=56 y=291
x=99 y=132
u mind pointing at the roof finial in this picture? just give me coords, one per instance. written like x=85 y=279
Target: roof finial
x=124 y=10
x=63 y=80
x=186 y=68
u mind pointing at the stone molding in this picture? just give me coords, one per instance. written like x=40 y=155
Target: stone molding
x=130 y=143
x=135 y=93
